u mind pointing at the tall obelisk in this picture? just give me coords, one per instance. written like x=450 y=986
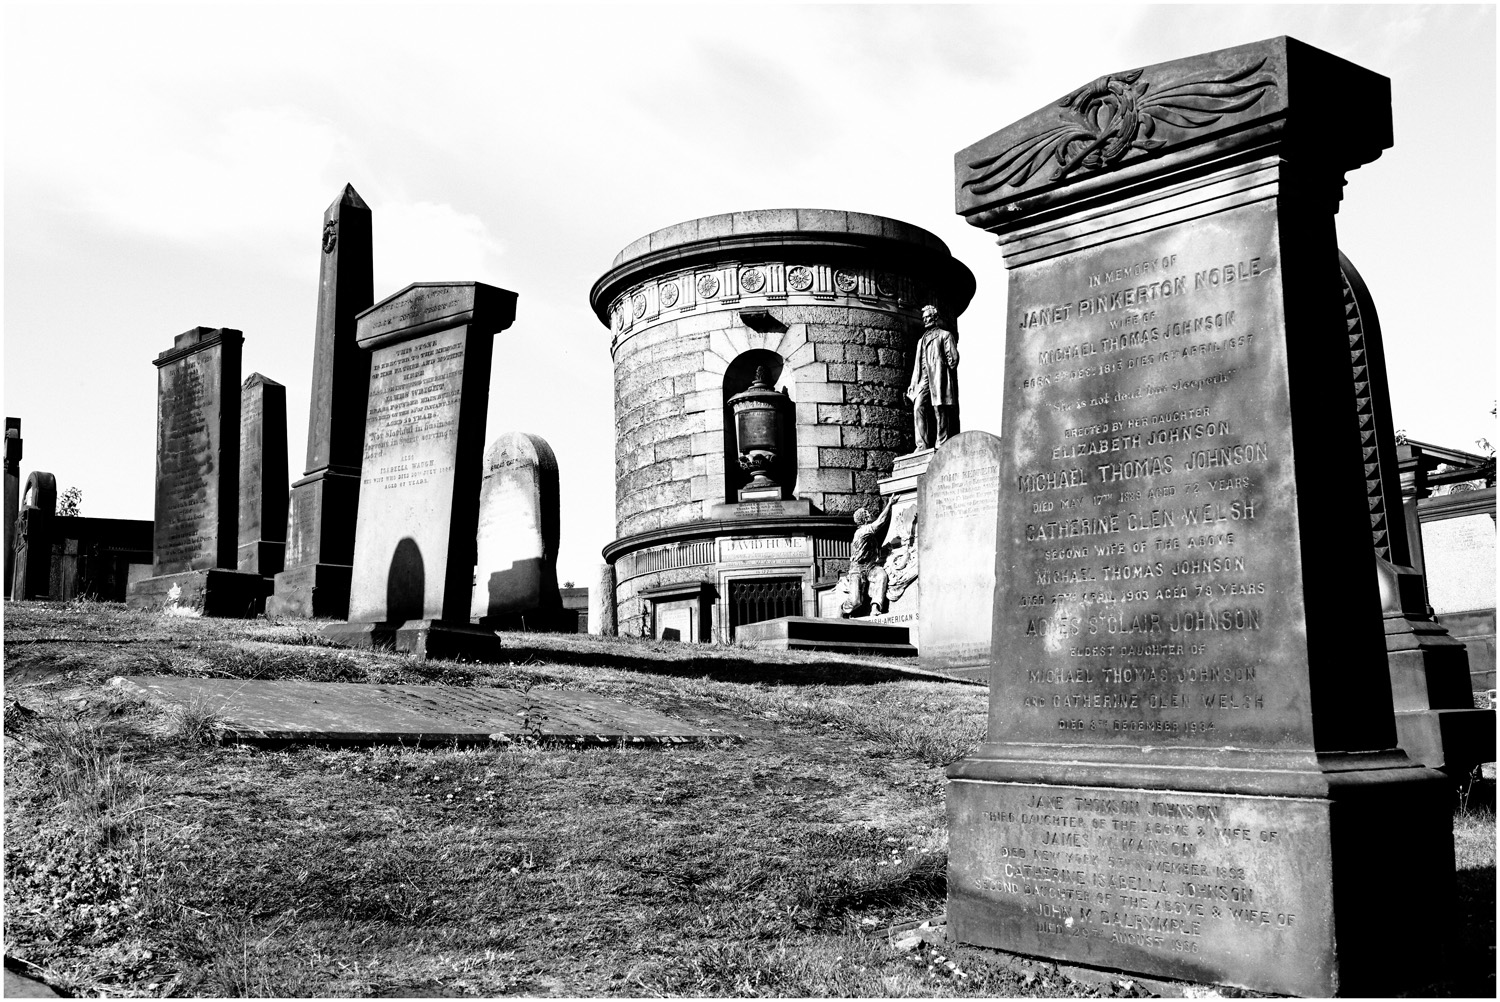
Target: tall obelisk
x=324 y=503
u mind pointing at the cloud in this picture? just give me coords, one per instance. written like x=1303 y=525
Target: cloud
x=430 y=242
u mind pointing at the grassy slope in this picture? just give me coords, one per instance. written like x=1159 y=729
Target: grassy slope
x=141 y=860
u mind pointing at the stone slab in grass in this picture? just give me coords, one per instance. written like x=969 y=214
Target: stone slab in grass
x=357 y=712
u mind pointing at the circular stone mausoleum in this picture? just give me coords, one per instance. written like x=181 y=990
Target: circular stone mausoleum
x=826 y=307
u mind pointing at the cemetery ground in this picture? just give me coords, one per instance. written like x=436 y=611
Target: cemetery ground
x=146 y=856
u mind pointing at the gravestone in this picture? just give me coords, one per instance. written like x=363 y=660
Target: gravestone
x=602 y=603
x=1191 y=766
x=325 y=502
x=12 y=494
x=956 y=506
x=515 y=584
x=358 y=712
x=32 y=543
x=263 y=490
x=197 y=481
x=1437 y=723
x=430 y=346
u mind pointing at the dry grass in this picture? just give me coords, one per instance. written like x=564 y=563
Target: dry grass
x=144 y=858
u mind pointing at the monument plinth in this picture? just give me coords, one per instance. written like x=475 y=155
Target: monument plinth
x=413 y=573
x=198 y=481
x=321 y=521
x=1191 y=748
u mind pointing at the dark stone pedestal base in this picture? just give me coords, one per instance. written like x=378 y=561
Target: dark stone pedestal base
x=320 y=590
x=262 y=557
x=425 y=638
x=1453 y=740
x=1272 y=893
x=231 y=594
x=846 y=636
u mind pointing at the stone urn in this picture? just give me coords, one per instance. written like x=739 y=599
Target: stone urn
x=757 y=425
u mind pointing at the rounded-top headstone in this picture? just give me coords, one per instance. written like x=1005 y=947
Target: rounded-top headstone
x=518 y=529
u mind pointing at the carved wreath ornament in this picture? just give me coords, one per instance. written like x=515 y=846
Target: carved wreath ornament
x=1104 y=120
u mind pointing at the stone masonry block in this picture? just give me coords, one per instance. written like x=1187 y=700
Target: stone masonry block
x=807 y=456
x=674 y=448
x=838 y=414
x=704 y=442
x=893 y=357
x=884 y=394
x=714 y=363
x=729 y=343
x=827 y=480
x=809 y=372
x=712 y=419
x=703 y=400
x=706 y=322
x=877 y=337
x=713 y=464
x=850 y=459
x=880 y=374
x=795 y=338
x=842 y=503
x=810 y=315
x=872 y=438
x=813 y=391
x=866 y=482
x=884 y=417
x=828 y=352
x=816 y=497
x=702 y=487
x=807 y=413
x=832 y=334
x=862 y=353
x=843 y=372
x=880 y=460
x=803 y=354
x=820 y=434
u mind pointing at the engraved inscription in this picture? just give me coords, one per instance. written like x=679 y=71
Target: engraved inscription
x=187 y=529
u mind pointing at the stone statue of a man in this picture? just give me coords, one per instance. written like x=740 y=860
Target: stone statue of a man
x=864 y=584
x=934 y=382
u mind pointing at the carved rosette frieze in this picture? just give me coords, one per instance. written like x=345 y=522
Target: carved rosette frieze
x=740 y=283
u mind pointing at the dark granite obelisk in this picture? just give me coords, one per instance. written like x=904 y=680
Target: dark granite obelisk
x=12 y=493
x=197 y=481
x=263 y=491
x=1191 y=755
x=325 y=502
x=430 y=346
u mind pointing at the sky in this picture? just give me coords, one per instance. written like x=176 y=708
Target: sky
x=167 y=166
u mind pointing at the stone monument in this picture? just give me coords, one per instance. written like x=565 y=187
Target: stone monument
x=1180 y=776
x=12 y=494
x=956 y=508
x=1436 y=720
x=413 y=581
x=197 y=481
x=602 y=603
x=515 y=584
x=324 y=503
x=263 y=497
x=32 y=540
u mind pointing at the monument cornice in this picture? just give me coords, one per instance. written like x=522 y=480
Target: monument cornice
x=427 y=307
x=796 y=236
x=713 y=528
x=201 y=338
x=1137 y=123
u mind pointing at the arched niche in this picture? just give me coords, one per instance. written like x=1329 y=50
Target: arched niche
x=737 y=379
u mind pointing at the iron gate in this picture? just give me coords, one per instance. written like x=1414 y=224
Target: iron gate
x=765 y=598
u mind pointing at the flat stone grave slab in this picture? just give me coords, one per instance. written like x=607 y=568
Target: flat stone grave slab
x=427 y=714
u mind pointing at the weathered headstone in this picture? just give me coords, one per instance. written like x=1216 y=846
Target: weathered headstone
x=263 y=490
x=415 y=714
x=1437 y=723
x=515 y=584
x=12 y=494
x=602 y=603
x=197 y=480
x=32 y=544
x=1191 y=749
x=430 y=346
x=956 y=508
x=324 y=503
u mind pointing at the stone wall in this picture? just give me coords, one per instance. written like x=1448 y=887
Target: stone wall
x=846 y=370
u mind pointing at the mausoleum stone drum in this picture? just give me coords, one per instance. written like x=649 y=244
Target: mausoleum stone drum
x=828 y=305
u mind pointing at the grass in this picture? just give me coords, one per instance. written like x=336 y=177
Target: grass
x=145 y=858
